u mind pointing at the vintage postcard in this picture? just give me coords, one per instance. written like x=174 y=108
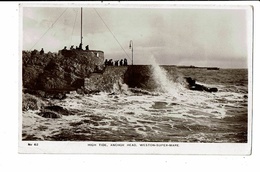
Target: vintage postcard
x=136 y=78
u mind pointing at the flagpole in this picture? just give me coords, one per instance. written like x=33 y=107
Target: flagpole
x=132 y=46
x=132 y=53
x=81 y=28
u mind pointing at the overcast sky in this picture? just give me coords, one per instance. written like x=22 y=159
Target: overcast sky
x=200 y=37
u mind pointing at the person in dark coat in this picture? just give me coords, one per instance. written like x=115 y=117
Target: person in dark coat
x=42 y=51
x=121 y=62
x=110 y=62
x=116 y=62
x=80 y=46
x=106 y=62
x=125 y=62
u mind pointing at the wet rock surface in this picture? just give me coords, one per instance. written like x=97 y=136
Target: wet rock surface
x=54 y=111
x=49 y=114
x=193 y=86
x=31 y=102
x=58 y=109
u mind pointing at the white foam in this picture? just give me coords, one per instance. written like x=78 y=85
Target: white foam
x=124 y=110
x=120 y=88
x=160 y=76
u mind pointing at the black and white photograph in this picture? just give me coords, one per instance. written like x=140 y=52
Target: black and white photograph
x=136 y=75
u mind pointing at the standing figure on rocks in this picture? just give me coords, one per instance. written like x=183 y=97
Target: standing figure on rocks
x=42 y=51
x=80 y=46
x=116 y=63
x=110 y=62
x=65 y=48
x=106 y=62
x=125 y=62
x=72 y=47
x=87 y=47
x=121 y=62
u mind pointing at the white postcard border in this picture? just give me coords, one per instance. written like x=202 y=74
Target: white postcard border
x=92 y=147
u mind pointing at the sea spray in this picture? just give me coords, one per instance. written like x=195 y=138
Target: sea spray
x=120 y=88
x=161 y=78
x=193 y=116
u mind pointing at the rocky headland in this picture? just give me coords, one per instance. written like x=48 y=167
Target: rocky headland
x=53 y=75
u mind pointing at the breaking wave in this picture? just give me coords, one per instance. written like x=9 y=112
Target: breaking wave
x=169 y=113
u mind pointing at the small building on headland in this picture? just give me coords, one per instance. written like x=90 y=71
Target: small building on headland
x=60 y=73
x=96 y=56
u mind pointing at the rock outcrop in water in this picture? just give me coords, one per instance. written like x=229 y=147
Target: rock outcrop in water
x=31 y=102
x=193 y=86
x=54 y=111
x=57 y=109
x=49 y=114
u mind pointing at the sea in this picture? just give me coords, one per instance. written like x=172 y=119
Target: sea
x=171 y=113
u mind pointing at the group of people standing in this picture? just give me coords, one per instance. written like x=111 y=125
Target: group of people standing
x=122 y=62
x=77 y=47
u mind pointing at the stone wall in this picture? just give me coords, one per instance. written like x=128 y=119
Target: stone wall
x=106 y=80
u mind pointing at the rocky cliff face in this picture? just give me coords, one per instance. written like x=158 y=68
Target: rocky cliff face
x=61 y=71
x=105 y=81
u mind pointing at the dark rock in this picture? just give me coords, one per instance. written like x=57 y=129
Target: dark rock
x=78 y=83
x=91 y=91
x=140 y=76
x=30 y=76
x=213 y=90
x=80 y=91
x=57 y=109
x=174 y=104
x=75 y=124
x=111 y=94
x=41 y=93
x=59 y=96
x=31 y=102
x=100 y=69
x=53 y=94
x=193 y=86
x=49 y=114
x=190 y=81
x=56 y=94
x=197 y=87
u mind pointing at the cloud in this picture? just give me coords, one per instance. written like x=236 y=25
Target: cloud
x=173 y=36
